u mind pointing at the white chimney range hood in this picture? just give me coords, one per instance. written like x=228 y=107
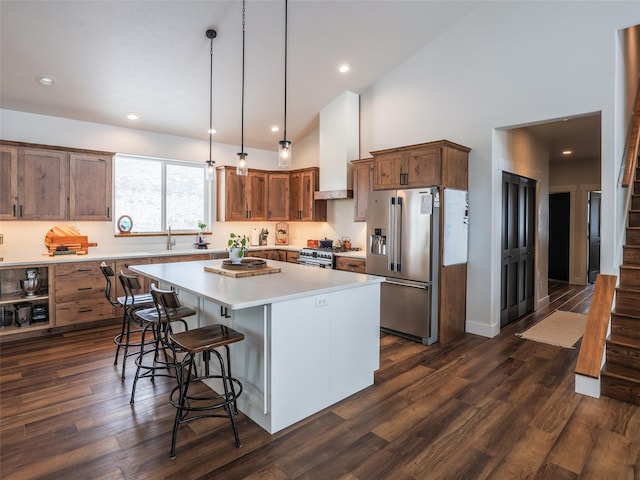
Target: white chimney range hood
x=339 y=144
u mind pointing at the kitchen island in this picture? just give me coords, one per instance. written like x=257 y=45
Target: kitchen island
x=311 y=334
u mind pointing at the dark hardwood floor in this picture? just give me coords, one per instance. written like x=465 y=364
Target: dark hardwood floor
x=501 y=408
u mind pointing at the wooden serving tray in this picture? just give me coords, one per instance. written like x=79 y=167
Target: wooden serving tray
x=250 y=267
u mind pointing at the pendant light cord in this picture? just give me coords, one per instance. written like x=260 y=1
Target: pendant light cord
x=285 y=67
x=242 y=100
x=211 y=101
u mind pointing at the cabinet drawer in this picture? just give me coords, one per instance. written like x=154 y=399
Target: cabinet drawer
x=71 y=289
x=293 y=257
x=79 y=269
x=357 y=265
x=80 y=311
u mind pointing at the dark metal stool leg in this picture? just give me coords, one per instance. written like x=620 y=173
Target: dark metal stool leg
x=118 y=338
x=183 y=384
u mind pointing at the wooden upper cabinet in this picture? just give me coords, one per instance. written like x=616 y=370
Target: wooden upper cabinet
x=303 y=206
x=39 y=182
x=388 y=171
x=43 y=179
x=264 y=195
x=257 y=195
x=241 y=198
x=8 y=183
x=440 y=163
x=232 y=199
x=422 y=167
x=90 y=187
x=362 y=185
x=278 y=197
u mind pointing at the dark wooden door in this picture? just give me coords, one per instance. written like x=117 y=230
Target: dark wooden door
x=559 y=212
x=518 y=246
x=594 y=236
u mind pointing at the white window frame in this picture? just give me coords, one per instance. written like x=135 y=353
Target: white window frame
x=164 y=162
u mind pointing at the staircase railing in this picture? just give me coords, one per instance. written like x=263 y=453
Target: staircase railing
x=595 y=332
x=633 y=141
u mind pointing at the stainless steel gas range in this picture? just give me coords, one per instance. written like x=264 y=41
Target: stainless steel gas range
x=317 y=257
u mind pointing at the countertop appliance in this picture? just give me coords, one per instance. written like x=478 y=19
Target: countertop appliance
x=259 y=237
x=403 y=245
x=317 y=257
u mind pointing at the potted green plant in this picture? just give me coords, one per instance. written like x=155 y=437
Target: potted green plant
x=202 y=227
x=237 y=246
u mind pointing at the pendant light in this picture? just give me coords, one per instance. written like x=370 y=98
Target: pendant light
x=242 y=168
x=284 y=146
x=210 y=167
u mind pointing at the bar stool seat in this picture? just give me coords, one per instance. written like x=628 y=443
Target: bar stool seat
x=190 y=406
x=160 y=356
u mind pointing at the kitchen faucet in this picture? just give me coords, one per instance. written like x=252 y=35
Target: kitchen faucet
x=170 y=242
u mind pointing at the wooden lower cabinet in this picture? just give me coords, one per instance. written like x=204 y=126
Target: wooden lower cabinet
x=292 y=257
x=123 y=266
x=272 y=255
x=79 y=293
x=357 y=265
x=178 y=258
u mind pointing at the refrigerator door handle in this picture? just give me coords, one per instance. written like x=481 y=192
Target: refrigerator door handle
x=423 y=286
x=399 y=234
x=391 y=230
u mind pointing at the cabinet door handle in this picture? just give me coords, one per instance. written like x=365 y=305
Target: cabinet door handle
x=14 y=209
x=20 y=211
x=84 y=270
x=84 y=288
x=85 y=310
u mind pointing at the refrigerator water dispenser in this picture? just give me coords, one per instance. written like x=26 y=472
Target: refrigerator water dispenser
x=378 y=244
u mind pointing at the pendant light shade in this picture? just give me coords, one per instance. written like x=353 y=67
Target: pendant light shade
x=210 y=167
x=284 y=146
x=284 y=153
x=242 y=168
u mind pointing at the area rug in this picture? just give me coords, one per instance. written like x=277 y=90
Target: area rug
x=562 y=329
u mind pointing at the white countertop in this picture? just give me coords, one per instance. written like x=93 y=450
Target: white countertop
x=293 y=281
x=29 y=260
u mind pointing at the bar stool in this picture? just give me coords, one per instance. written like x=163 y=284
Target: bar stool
x=158 y=351
x=202 y=340
x=138 y=300
x=132 y=303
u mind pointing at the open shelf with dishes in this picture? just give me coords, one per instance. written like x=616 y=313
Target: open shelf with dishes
x=24 y=299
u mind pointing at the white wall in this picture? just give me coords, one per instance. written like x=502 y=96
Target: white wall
x=506 y=64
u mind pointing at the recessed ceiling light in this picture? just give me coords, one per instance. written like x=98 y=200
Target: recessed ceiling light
x=133 y=116
x=344 y=68
x=567 y=152
x=275 y=128
x=46 y=80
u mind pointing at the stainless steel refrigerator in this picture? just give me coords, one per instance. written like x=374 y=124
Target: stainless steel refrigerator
x=402 y=245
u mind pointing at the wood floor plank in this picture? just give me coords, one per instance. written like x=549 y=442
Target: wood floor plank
x=477 y=408
x=36 y=466
x=526 y=455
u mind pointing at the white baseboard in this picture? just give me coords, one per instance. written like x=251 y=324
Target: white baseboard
x=482 y=329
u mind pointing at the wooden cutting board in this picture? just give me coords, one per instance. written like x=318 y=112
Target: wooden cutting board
x=69 y=237
x=251 y=272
